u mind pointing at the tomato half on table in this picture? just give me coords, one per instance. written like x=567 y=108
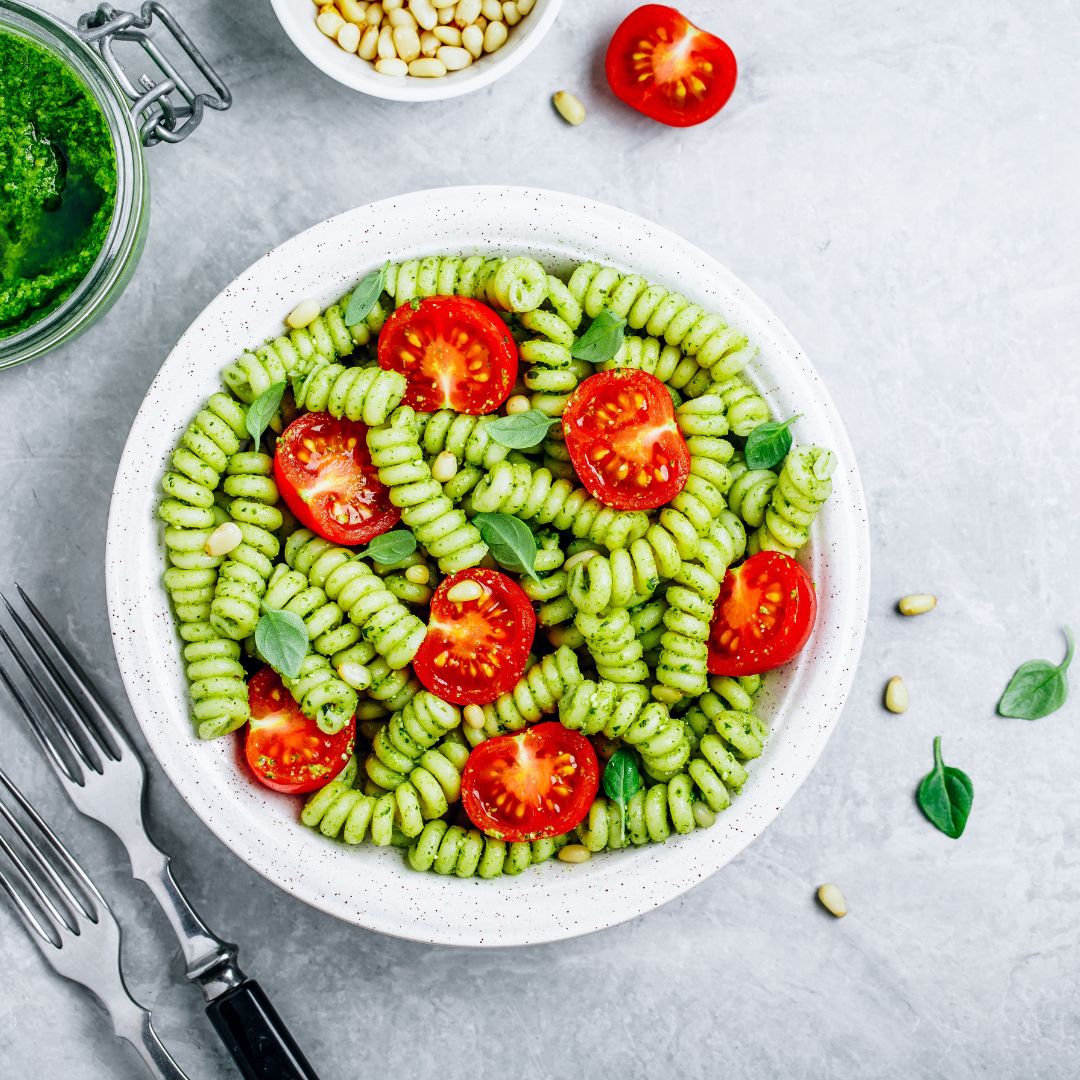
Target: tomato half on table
x=764 y=615
x=455 y=353
x=623 y=440
x=664 y=66
x=285 y=750
x=476 y=649
x=537 y=783
x=325 y=475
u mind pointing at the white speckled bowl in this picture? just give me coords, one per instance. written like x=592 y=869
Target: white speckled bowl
x=297 y=18
x=374 y=887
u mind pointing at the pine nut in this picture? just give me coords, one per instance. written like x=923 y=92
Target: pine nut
x=466 y=12
x=369 y=44
x=445 y=467
x=472 y=38
x=446 y=16
x=896 y=695
x=225 y=538
x=429 y=44
x=392 y=5
x=519 y=403
x=386 y=44
x=306 y=312
x=832 y=900
x=448 y=35
x=454 y=59
x=348 y=37
x=418 y=575
x=353 y=10
x=510 y=14
x=666 y=695
x=575 y=853
x=403 y=17
x=442 y=5
x=569 y=107
x=703 y=815
x=406 y=42
x=525 y=6
x=355 y=675
x=491 y=9
x=464 y=591
x=580 y=557
x=474 y=716
x=374 y=15
x=481 y=23
x=329 y=22
x=424 y=13
x=917 y=604
x=394 y=66
x=494 y=37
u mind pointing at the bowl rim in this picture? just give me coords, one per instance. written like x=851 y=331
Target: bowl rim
x=372 y=888
x=320 y=51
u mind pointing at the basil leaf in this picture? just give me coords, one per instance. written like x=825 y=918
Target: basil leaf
x=391 y=547
x=261 y=411
x=602 y=340
x=622 y=781
x=522 y=430
x=282 y=640
x=1038 y=687
x=365 y=296
x=510 y=540
x=945 y=796
x=768 y=444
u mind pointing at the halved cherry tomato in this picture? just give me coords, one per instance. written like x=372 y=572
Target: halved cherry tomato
x=456 y=353
x=325 y=475
x=537 y=783
x=623 y=440
x=664 y=66
x=286 y=750
x=764 y=616
x=476 y=650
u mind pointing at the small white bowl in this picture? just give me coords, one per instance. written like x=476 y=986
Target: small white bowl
x=374 y=887
x=297 y=18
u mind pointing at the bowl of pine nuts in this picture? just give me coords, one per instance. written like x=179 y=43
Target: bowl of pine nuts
x=416 y=50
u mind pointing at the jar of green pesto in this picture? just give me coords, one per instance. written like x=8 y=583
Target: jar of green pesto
x=74 y=200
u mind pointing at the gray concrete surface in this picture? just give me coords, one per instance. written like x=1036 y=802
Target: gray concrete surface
x=899 y=181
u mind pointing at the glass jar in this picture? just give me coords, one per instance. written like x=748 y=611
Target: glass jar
x=165 y=110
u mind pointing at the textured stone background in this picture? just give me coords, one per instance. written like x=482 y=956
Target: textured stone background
x=899 y=181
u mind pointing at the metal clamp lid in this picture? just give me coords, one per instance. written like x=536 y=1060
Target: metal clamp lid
x=160 y=116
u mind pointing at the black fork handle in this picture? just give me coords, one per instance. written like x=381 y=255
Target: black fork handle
x=255 y=1035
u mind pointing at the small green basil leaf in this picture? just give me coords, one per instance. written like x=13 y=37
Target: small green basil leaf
x=365 y=296
x=282 y=641
x=261 y=411
x=510 y=540
x=602 y=340
x=768 y=444
x=522 y=430
x=391 y=547
x=622 y=781
x=945 y=796
x=1038 y=687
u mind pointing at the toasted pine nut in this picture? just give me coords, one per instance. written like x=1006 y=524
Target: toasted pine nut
x=394 y=66
x=832 y=900
x=454 y=59
x=466 y=12
x=580 y=557
x=666 y=695
x=474 y=716
x=374 y=14
x=225 y=538
x=444 y=467
x=355 y=675
x=369 y=44
x=418 y=574
x=494 y=37
x=917 y=604
x=525 y=6
x=569 y=107
x=481 y=23
x=424 y=13
x=448 y=35
x=492 y=9
x=406 y=42
x=510 y=14
x=575 y=853
x=348 y=37
x=519 y=403
x=896 y=695
x=329 y=22
x=464 y=591
x=472 y=38
x=353 y=10
x=306 y=312
x=703 y=815
x=429 y=44
x=403 y=17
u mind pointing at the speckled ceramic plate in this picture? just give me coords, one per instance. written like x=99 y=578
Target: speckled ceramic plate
x=374 y=887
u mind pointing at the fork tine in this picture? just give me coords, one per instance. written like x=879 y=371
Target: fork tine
x=61 y=766
x=27 y=913
x=44 y=901
x=88 y=701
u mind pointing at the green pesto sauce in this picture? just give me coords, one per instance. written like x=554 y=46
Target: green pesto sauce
x=57 y=182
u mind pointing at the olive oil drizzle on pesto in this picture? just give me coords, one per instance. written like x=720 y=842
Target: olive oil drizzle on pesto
x=57 y=182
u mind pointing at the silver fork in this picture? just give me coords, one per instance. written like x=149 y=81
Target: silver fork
x=105 y=778
x=74 y=927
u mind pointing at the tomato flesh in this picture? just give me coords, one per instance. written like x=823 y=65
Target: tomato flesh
x=455 y=353
x=285 y=750
x=764 y=615
x=325 y=475
x=476 y=650
x=623 y=440
x=537 y=783
x=664 y=66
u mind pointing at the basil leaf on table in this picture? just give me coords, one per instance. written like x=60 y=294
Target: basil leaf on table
x=768 y=444
x=365 y=296
x=602 y=340
x=1038 y=687
x=282 y=640
x=510 y=540
x=261 y=411
x=521 y=431
x=391 y=547
x=622 y=781
x=945 y=796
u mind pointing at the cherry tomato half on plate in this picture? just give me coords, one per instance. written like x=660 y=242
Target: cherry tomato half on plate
x=455 y=353
x=475 y=649
x=537 y=783
x=664 y=66
x=325 y=475
x=623 y=440
x=764 y=615
x=286 y=750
